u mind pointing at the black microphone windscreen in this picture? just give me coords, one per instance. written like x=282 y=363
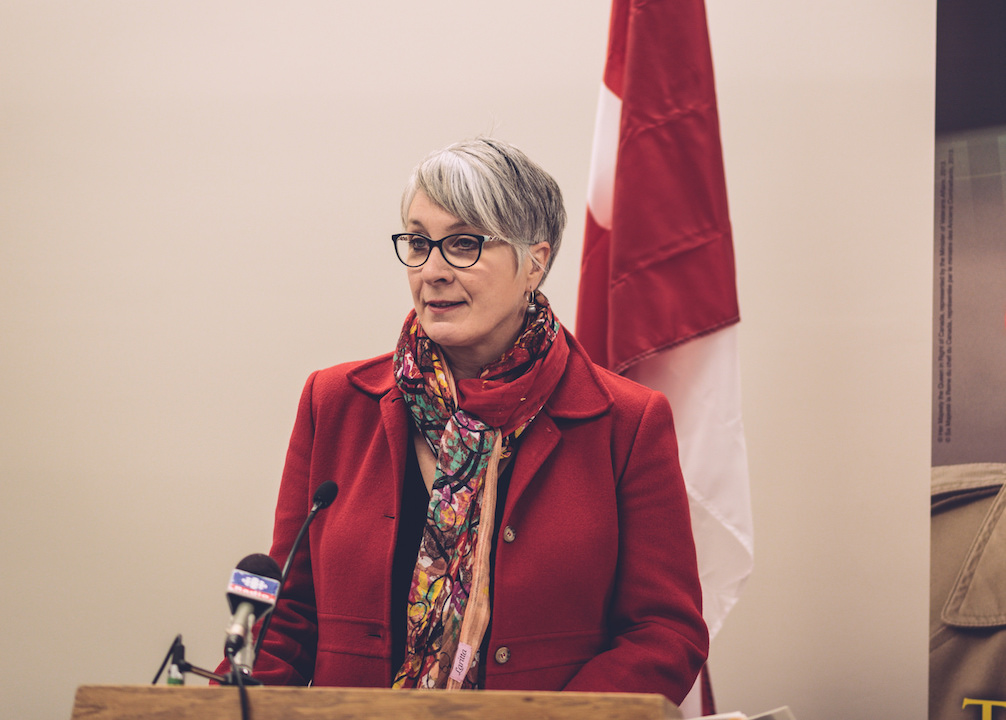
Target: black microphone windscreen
x=260 y=564
x=325 y=494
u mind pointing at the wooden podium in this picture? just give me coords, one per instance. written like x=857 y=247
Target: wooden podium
x=133 y=702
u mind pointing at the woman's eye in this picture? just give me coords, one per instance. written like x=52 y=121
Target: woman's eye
x=465 y=243
x=418 y=243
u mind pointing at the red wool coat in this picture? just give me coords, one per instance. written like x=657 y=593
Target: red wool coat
x=595 y=581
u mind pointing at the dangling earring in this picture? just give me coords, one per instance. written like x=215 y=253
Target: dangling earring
x=531 y=306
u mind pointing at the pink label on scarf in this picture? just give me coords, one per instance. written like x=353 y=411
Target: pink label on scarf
x=462 y=661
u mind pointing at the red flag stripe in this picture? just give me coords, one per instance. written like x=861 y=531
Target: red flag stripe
x=665 y=271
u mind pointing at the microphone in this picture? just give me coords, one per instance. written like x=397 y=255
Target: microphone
x=251 y=593
x=323 y=497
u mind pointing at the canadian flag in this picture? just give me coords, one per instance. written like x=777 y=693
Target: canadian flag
x=658 y=296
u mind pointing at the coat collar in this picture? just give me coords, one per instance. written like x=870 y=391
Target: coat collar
x=580 y=393
x=978 y=596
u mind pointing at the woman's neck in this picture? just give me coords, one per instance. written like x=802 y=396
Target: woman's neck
x=464 y=365
x=467 y=362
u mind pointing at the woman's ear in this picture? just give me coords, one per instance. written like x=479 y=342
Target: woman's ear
x=540 y=253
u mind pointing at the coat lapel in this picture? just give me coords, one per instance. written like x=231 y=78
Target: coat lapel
x=580 y=395
x=978 y=598
x=375 y=377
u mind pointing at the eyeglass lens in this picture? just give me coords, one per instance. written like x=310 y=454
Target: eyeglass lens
x=461 y=251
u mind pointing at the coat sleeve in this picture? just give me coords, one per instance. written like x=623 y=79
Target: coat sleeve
x=659 y=640
x=288 y=653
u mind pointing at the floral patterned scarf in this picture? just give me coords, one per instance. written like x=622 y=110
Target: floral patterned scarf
x=471 y=426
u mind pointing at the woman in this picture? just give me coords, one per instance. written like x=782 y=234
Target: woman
x=509 y=515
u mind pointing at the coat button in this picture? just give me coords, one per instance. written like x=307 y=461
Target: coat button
x=508 y=534
x=503 y=655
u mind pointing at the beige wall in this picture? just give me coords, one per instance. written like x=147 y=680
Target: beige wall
x=194 y=205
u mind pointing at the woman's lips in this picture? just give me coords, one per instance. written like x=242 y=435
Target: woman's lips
x=442 y=305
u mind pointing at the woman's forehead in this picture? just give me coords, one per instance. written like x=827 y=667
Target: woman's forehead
x=424 y=213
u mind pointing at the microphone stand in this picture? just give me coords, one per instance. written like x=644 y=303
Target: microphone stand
x=176 y=656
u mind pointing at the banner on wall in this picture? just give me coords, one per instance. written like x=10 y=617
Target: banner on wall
x=658 y=298
x=968 y=483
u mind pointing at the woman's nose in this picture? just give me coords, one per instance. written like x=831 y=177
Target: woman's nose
x=436 y=266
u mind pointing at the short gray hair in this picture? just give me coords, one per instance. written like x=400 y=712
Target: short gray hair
x=491 y=185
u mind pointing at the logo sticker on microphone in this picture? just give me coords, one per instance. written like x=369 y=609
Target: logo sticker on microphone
x=253 y=587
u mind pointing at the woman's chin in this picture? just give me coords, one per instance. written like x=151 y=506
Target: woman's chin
x=444 y=333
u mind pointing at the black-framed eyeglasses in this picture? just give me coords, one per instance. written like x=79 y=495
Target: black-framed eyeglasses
x=461 y=251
